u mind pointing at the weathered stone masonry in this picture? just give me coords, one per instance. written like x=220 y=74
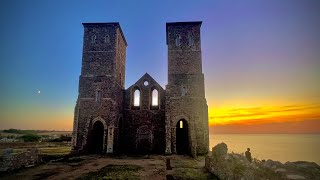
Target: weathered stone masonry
x=110 y=119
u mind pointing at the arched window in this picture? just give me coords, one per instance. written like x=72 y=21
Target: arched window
x=107 y=39
x=178 y=40
x=136 y=98
x=93 y=38
x=183 y=91
x=98 y=96
x=155 y=98
x=190 y=40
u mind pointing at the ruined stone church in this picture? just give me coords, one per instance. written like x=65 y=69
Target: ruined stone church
x=144 y=118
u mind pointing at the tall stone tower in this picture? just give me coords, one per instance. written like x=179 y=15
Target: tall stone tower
x=101 y=89
x=186 y=106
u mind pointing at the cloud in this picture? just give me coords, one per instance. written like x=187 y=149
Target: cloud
x=294 y=127
x=254 y=115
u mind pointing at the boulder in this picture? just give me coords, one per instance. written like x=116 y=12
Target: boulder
x=220 y=150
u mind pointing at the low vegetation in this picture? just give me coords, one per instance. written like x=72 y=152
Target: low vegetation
x=18 y=131
x=120 y=172
x=30 y=138
x=62 y=138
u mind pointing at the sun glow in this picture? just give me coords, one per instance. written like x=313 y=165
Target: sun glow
x=266 y=114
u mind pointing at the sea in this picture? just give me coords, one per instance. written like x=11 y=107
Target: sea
x=279 y=147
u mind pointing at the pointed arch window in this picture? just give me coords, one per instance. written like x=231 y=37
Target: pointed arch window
x=178 y=40
x=155 y=98
x=93 y=38
x=136 y=98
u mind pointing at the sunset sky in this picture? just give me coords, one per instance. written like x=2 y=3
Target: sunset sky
x=261 y=59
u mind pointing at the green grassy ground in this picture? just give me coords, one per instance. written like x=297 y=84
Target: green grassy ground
x=62 y=150
x=45 y=148
x=120 y=172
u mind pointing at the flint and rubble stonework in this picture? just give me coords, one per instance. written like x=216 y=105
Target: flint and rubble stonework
x=13 y=161
x=147 y=128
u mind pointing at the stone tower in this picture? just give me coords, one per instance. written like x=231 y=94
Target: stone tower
x=101 y=89
x=186 y=106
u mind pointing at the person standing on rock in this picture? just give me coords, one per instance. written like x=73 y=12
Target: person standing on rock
x=248 y=155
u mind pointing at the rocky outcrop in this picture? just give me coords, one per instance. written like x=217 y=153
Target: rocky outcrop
x=236 y=166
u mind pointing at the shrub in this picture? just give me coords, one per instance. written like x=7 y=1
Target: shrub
x=62 y=138
x=30 y=138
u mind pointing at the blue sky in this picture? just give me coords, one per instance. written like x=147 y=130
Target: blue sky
x=255 y=53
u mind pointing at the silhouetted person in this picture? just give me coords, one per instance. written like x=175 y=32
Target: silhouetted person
x=248 y=155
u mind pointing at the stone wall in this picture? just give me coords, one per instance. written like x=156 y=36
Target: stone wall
x=12 y=161
x=144 y=124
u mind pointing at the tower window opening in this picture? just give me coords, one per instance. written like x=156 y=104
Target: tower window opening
x=107 y=39
x=155 y=98
x=190 y=40
x=136 y=98
x=183 y=91
x=98 y=96
x=93 y=38
x=178 y=40
x=181 y=124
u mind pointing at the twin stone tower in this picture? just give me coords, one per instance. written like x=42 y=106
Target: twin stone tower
x=144 y=118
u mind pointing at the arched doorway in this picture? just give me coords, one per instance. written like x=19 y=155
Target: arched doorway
x=97 y=137
x=182 y=137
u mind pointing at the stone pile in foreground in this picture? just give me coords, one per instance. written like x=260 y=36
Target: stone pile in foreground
x=235 y=166
x=12 y=161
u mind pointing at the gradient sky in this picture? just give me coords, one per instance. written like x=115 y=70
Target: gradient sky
x=261 y=59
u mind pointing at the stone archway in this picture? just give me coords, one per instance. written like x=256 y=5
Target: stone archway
x=182 y=137
x=97 y=137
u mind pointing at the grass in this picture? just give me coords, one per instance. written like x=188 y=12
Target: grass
x=40 y=133
x=63 y=150
x=119 y=172
x=190 y=173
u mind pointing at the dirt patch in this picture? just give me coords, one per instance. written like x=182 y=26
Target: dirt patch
x=44 y=175
x=98 y=167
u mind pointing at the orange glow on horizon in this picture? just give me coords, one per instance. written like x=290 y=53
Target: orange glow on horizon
x=266 y=114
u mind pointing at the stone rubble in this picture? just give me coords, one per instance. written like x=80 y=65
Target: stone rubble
x=235 y=166
x=12 y=161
